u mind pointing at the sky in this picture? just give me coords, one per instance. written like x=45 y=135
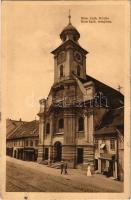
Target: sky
x=31 y=31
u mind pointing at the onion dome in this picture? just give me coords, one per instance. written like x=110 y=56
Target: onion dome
x=69 y=32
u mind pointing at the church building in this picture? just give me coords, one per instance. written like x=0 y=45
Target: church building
x=73 y=110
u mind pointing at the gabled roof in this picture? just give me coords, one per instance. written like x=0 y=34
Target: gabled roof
x=101 y=86
x=105 y=130
x=11 y=125
x=26 y=129
x=111 y=121
x=114 y=117
x=114 y=97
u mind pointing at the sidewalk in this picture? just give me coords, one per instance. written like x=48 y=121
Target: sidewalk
x=77 y=175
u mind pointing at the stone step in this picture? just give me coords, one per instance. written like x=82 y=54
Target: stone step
x=56 y=165
x=44 y=162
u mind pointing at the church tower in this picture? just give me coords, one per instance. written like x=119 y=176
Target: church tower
x=69 y=57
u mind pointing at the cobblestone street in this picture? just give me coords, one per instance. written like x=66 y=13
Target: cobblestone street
x=23 y=176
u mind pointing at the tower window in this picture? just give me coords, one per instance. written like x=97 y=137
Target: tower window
x=61 y=124
x=112 y=144
x=78 y=70
x=81 y=124
x=61 y=71
x=47 y=128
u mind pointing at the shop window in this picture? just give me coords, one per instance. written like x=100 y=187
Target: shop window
x=103 y=141
x=112 y=144
x=81 y=124
x=96 y=164
x=48 y=128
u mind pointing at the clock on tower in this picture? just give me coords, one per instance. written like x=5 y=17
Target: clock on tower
x=61 y=57
x=78 y=56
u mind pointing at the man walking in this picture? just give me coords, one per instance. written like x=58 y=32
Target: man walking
x=62 y=166
x=65 y=167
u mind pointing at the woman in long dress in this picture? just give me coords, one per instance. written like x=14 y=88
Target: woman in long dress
x=89 y=171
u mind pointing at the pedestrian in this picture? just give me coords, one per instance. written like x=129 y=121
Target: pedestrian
x=62 y=166
x=89 y=170
x=65 y=168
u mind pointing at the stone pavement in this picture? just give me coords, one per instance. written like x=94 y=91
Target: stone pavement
x=76 y=180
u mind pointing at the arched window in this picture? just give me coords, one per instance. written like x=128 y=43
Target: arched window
x=61 y=124
x=75 y=38
x=61 y=71
x=78 y=70
x=48 y=128
x=81 y=124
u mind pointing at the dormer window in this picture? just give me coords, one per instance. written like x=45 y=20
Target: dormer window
x=75 y=38
x=61 y=71
x=78 y=71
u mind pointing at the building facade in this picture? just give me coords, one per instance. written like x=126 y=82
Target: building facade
x=22 y=140
x=109 y=145
x=67 y=118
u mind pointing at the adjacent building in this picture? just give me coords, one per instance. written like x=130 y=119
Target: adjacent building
x=109 y=144
x=22 y=139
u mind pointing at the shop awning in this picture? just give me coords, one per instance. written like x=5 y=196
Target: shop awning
x=106 y=156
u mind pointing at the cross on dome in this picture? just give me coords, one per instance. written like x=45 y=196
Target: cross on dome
x=69 y=17
x=119 y=88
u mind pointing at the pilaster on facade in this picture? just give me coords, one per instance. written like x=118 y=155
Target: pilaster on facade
x=69 y=127
x=41 y=115
x=89 y=125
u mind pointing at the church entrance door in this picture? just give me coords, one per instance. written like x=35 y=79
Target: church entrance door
x=57 y=151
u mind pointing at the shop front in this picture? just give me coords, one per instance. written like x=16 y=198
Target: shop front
x=107 y=165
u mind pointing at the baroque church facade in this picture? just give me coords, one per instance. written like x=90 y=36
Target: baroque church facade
x=69 y=116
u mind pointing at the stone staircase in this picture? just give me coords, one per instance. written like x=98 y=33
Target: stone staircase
x=56 y=165
x=44 y=162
